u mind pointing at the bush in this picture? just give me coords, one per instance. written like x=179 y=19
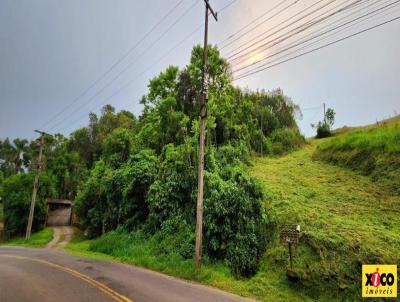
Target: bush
x=176 y=236
x=157 y=196
x=323 y=130
x=113 y=198
x=17 y=195
x=234 y=225
x=171 y=194
x=285 y=140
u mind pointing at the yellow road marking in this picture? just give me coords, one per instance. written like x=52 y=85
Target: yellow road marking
x=116 y=296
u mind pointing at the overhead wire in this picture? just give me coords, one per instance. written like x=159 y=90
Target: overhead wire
x=118 y=75
x=130 y=82
x=299 y=29
x=246 y=44
x=117 y=62
x=285 y=34
x=385 y=7
x=264 y=21
x=316 y=49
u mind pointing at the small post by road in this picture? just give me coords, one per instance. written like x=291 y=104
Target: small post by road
x=203 y=117
x=35 y=185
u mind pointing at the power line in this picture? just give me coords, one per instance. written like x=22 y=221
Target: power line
x=284 y=49
x=123 y=57
x=127 y=67
x=285 y=36
x=264 y=21
x=316 y=49
x=311 y=108
x=232 y=53
x=295 y=31
x=388 y=6
x=334 y=22
x=315 y=42
x=319 y=29
x=127 y=84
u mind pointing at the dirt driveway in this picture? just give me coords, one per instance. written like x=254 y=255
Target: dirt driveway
x=61 y=237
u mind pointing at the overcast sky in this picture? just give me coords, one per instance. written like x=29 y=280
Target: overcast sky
x=52 y=51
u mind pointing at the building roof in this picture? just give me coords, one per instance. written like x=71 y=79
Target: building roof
x=58 y=201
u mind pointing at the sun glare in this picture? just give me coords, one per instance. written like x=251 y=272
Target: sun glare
x=255 y=57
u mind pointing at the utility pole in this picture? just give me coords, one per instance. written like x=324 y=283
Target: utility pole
x=324 y=115
x=35 y=185
x=203 y=117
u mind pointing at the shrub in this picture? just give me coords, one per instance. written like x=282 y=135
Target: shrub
x=172 y=191
x=323 y=130
x=113 y=198
x=177 y=236
x=138 y=175
x=234 y=227
x=285 y=140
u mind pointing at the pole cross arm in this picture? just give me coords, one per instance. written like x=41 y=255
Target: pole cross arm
x=42 y=132
x=215 y=15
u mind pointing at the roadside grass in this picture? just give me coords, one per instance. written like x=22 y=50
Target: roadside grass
x=145 y=252
x=38 y=239
x=61 y=239
x=346 y=220
x=374 y=151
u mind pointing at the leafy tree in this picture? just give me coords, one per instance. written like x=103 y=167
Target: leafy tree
x=330 y=117
x=118 y=146
x=324 y=127
x=13 y=156
x=16 y=196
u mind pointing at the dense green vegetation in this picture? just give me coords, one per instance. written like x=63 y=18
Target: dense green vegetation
x=374 y=151
x=139 y=174
x=1 y=213
x=16 y=196
x=134 y=185
x=342 y=227
x=38 y=239
x=134 y=249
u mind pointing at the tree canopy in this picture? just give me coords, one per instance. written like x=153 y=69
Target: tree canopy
x=140 y=173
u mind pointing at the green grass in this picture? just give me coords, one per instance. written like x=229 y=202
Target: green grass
x=38 y=239
x=133 y=249
x=374 y=151
x=346 y=219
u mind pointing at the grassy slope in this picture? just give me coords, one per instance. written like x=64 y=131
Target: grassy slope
x=346 y=220
x=38 y=239
x=372 y=150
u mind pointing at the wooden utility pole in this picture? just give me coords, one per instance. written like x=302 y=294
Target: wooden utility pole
x=203 y=117
x=324 y=114
x=35 y=185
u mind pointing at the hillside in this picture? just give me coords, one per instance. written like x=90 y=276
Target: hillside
x=346 y=220
x=372 y=150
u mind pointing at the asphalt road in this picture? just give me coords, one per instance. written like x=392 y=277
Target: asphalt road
x=47 y=275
